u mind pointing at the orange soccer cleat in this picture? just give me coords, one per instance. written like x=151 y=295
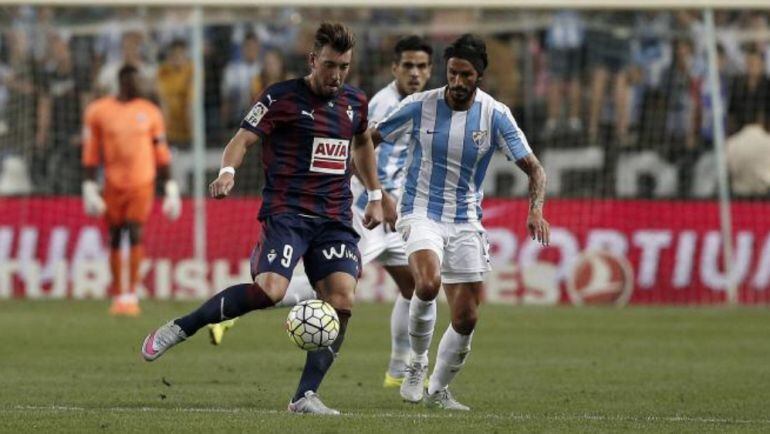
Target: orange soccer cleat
x=125 y=305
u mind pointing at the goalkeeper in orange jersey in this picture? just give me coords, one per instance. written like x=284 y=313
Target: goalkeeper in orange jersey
x=126 y=135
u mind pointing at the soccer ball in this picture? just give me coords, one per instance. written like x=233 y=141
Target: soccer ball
x=313 y=324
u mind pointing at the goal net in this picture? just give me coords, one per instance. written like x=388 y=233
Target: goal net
x=617 y=104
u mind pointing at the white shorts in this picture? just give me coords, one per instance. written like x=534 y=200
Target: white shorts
x=377 y=244
x=462 y=248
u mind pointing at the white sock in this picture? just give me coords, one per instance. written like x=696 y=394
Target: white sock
x=299 y=290
x=399 y=336
x=422 y=318
x=452 y=352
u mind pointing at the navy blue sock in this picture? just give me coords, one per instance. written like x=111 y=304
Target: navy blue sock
x=318 y=362
x=230 y=303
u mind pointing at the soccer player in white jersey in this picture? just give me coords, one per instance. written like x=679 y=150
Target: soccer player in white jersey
x=453 y=132
x=411 y=70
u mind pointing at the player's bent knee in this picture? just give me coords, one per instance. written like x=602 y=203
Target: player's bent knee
x=272 y=284
x=427 y=287
x=465 y=324
x=340 y=300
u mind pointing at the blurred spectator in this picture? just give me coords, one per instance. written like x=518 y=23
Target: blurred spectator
x=706 y=104
x=110 y=41
x=749 y=94
x=21 y=104
x=176 y=26
x=5 y=78
x=62 y=96
x=175 y=80
x=760 y=30
x=608 y=40
x=42 y=31
x=564 y=41
x=278 y=29
x=727 y=36
x=273 y=71
x=748 y=160
x=238 y=82
x=652 y=55
x=131 y=49
x=679 y=87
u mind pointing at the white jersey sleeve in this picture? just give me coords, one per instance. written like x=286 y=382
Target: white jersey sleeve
x=506 y=134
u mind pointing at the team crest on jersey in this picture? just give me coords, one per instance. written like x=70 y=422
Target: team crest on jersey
x=256 y=113
x=271 y=256
x=479 y=137
x=350 y=113
x=329 y=155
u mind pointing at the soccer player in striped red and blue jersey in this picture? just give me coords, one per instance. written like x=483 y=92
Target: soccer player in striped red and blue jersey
x=453 y=132
x=309 y=129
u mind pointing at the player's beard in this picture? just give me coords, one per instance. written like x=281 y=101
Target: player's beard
x=461 y=95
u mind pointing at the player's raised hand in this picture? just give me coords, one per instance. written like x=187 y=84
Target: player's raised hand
x=221 y=186
x=389 y=213
x=373 y=214
x=538 y=227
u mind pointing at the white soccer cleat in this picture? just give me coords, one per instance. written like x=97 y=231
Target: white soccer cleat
x=159 y=341
x=414 y=380
x=311 y=404
x=443 y=400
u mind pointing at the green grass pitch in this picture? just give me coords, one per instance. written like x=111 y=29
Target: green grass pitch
x=69 y=367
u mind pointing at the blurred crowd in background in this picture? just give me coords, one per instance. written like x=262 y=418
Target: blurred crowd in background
x=618 y=80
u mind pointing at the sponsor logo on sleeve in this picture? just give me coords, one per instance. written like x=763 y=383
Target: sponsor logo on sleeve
x=256 y=114
x=329 y=155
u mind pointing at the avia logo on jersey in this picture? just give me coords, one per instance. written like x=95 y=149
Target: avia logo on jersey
x=329 y=155
x=256 y=113
x=343 y=252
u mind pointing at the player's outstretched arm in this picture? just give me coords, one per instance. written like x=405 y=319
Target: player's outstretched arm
x=537 y=225
x=363 y=158
x=232 y=157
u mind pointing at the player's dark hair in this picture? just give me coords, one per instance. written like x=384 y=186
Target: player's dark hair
x=126 y=70
x=471 y=48
x=411 y=43
x=335 y=35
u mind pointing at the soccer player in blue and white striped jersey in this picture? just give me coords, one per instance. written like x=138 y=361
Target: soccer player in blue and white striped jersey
x=411 y=70
x=453 y=132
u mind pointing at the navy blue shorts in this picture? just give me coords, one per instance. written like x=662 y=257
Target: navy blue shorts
x=326 y=246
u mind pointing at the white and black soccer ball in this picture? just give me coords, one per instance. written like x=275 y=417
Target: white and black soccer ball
x=313 y=324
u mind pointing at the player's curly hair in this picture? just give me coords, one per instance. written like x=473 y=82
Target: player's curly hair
x=335 y=35
x=471 y=48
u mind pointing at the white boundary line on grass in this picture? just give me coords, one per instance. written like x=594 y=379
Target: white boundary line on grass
x=440 y=415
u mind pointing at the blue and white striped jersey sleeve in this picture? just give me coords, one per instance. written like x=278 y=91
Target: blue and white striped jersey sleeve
x=506 y=134
x=400 y=120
